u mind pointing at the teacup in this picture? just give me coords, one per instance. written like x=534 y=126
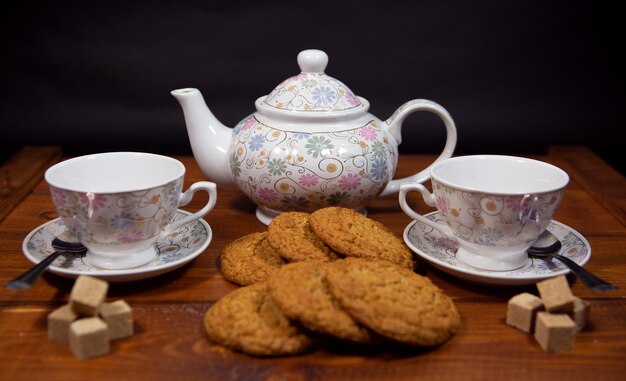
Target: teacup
x=118 y=204
x=494 y=206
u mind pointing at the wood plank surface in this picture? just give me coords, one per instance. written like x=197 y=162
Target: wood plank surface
x=595 y=176
x=170 y=343
x=22 y=172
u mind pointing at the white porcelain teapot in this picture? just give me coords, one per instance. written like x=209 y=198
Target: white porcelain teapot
x=310 y=144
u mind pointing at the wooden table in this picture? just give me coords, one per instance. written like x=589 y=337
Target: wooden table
x=170 y=344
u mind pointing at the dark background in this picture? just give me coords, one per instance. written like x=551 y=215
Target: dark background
x=517 y=76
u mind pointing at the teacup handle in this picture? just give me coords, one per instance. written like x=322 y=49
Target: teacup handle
x=186 y=197
x=394 y=124
x=429 y=199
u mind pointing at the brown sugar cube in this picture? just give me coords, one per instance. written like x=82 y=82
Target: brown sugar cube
x=580 y=314
x=87 y=295
x=521 y=311
x=59 y=322
x=555 y=332
x=118 y=316
x=89 y=337
x=556 y=294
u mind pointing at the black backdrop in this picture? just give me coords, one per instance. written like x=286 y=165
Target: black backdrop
x=517 y=76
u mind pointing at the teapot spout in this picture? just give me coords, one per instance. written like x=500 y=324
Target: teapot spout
x=209 y=138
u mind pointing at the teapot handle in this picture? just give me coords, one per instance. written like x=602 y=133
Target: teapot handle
x=394 y=125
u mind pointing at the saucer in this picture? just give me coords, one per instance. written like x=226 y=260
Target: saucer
x=440 y=251
x=177 y=249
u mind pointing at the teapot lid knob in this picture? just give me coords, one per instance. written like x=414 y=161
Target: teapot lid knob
x=312 y=61
x=312 y=91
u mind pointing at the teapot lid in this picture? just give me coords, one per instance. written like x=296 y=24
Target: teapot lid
x=312 y=90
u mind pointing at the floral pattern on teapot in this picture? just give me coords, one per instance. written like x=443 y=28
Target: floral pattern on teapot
x=497 y=216
x=286 y=170
x=312 y=92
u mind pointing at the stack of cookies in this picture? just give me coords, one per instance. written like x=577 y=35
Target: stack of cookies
x=325 y=235
x=330 y=274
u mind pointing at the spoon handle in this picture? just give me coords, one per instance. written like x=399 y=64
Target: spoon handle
x=585 y=276
x=27 y=279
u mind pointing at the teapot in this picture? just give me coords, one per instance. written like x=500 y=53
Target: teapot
x=310 y=144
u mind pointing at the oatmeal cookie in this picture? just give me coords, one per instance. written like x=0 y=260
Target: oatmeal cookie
x=248 y=320
x=393 y=301
x=249 y=259
x=350 y=233
x=291 y=236
x=300 y=291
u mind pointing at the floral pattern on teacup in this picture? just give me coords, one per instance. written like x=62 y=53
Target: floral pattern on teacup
x=117 y=218
x=432 y=245
x=287 y=170
x=495 y=220
x=179 y=245
x=312 y=92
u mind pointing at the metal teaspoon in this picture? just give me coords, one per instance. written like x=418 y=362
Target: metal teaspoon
x=26 y=280
x=547 y=246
